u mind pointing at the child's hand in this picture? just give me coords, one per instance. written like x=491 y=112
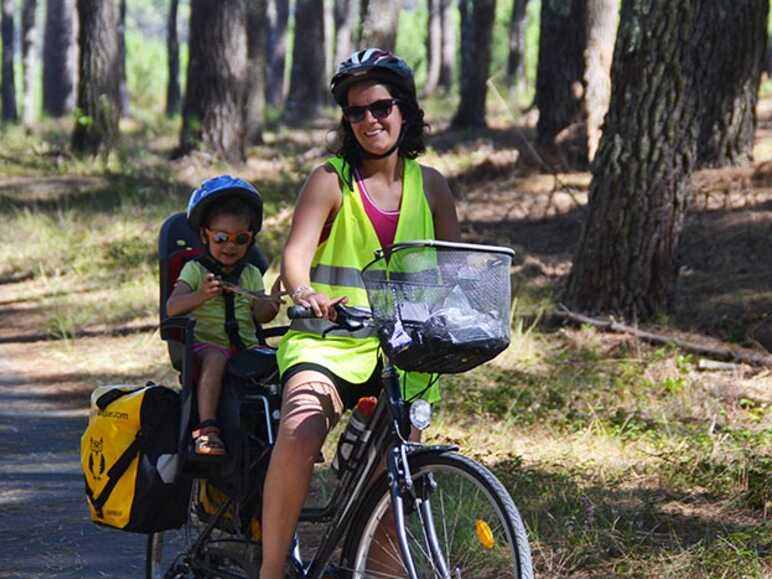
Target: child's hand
x=210 y=287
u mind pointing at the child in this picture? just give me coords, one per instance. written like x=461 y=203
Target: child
x=227 y=213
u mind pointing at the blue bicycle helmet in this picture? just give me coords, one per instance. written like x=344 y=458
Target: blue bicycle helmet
x=218 y=188
x=371 y=64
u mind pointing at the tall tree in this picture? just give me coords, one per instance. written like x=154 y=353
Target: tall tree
x=28 y=57
x=96 y=125
x=346 y=15
x=173 y=93
x=625 y=263
x=730 y=72
x=447 y=64
x=9 y=84
x=601 y=26
x=257 y=47
x=213 y=113
x=307 y=75
x=433 y=47
x=560 y=71
x=476 y=32
x=380 y=19
x=60 y=62
x=123 y=89
x=518 y=23
x=278 y=17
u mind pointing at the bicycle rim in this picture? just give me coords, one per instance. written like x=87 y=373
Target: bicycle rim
x=478 y=529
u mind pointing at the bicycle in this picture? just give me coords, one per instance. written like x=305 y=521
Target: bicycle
x=430 y=512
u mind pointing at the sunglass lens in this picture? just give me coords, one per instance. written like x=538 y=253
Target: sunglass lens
x=220 y=237
x=381 y=109
x=355 y=114
x=242 y=238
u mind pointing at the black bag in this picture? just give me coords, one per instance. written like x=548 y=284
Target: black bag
x=130 y=461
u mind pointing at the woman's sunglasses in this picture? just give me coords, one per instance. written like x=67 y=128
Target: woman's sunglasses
x=219 y=237
x=380 y=109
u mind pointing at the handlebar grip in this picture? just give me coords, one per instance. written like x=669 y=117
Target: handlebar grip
x=300 y=313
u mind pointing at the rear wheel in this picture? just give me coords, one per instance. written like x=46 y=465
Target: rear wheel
x=469 y=521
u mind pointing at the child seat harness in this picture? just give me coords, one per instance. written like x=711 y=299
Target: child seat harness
x=233 y=276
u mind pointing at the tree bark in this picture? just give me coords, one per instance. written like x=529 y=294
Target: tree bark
x=346 y=15
x=433 y=47
x=601 y=23
x=626 y=260
x=448 y=62
x=96 y=126
x=561 y=67
x=476 y=32
x=123 y=89
x=214 y=108
x=9 y=84
x=278 y=17
x=28 y=56
x=380 y=19
x=307 y=75
x=173 y=93
x=257 y=47
x=729 y=71
x=60 y=57
x=518 y=23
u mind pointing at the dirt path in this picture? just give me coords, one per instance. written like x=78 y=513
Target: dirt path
x=44 y=525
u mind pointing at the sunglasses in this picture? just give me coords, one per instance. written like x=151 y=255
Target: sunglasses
x=220 y=237
x=380 y=109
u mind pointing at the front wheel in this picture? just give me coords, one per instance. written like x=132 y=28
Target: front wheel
x=469 y=526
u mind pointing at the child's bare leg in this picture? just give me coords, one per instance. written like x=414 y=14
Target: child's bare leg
x=310 y=408
x=210 y=383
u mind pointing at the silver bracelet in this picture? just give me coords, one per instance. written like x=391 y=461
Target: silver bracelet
x=295 y=295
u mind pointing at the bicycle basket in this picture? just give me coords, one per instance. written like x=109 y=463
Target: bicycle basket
x=440 y=307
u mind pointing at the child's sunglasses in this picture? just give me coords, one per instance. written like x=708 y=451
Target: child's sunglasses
x=380 y=109
x=219 y=237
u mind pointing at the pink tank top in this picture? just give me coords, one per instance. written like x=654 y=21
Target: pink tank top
x=384 y=222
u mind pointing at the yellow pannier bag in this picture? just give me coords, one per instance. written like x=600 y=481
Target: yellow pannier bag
x=129 y=459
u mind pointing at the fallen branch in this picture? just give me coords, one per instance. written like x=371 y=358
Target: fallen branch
x=729 y=354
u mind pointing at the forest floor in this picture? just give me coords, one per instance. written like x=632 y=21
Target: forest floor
x=626 y=458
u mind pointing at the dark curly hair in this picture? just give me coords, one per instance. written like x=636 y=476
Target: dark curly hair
x=412 y=145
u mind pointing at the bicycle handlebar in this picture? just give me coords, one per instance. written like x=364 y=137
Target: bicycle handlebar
x=346 y=318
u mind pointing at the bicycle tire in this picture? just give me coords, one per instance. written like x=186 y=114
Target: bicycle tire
x=478 y=527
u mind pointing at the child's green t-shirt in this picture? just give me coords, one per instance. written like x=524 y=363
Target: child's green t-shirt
x=210 y=316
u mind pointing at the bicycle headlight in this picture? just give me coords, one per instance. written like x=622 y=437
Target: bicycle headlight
x=420 y=414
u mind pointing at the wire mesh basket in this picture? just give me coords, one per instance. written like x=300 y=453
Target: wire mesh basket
x=441 y=307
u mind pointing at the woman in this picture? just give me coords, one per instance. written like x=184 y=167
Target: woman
x=371 y=194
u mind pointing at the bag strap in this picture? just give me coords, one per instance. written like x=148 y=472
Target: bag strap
x=115 y=473
x=112 y=395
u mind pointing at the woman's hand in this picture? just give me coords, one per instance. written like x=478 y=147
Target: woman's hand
x=322 y=306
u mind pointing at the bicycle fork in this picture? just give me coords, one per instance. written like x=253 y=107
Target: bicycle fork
x=400 y=483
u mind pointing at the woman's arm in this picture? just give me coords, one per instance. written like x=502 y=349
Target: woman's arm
x=442 y=205
x=319 y=199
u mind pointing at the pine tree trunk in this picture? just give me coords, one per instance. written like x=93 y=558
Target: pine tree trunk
x=257 y=46
x=346 y=15
x=123 y=89
x=601 y=23
x=96 y=126
x=307 y=81
x=9 y=84
x=561 y=66
x=173 y=93
x=476 y=31
x=214 y=108
x=448 y=23
x=380 y=19
x=29 y=59
x=625 y=263
x=729 y=74
x=60 y=57
x=433 y=47
x=278 y=17
x=518 y=23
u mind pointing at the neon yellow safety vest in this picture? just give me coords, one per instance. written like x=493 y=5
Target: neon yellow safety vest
x=336 y=271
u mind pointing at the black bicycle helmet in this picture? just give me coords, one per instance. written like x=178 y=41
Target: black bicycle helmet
x=371 y=64
x=218 y=188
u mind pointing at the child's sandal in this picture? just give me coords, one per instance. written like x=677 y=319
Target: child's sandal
x=207 y=441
